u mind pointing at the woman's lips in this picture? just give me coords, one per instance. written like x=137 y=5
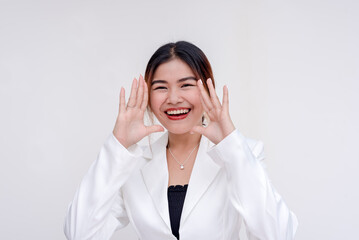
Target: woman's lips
x=178 y=117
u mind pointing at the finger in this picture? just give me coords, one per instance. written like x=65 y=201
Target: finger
x=122 y=100
x=225 y=100
x=206 y=100
x=198 y=129
x=209 y=113
x=132 y=99
x=139 y=92
x=154 y=128
x=205 y=108
x=145 y=98
x=212 y=91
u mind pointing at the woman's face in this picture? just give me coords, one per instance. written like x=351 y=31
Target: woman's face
x=175 y=97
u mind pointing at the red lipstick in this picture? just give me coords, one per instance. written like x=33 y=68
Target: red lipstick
x=179 y=116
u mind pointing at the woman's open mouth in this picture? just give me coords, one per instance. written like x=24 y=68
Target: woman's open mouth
x=177 y=114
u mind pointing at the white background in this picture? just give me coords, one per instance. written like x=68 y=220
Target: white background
x=291 y=68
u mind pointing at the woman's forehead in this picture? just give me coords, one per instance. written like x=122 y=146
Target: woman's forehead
x=173 y=70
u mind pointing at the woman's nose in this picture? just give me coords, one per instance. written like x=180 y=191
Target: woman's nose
x=174 y=97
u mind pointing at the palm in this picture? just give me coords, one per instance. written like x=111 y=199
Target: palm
x=220 y=122
x=129 y=127
x=214 y=131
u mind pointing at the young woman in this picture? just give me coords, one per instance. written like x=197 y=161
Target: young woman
x=197 y=181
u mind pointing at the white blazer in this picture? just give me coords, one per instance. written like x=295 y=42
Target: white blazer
x=228 y=184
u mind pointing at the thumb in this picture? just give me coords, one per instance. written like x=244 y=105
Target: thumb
x=154 y=128
x=198 y=129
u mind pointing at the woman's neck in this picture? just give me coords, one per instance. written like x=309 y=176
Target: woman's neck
x=183 y=142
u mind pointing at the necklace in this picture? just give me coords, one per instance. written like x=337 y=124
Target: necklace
x=181 y=164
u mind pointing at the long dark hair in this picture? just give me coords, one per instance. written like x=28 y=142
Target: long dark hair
x=188 y=53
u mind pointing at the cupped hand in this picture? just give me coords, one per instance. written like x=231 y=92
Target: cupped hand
x=130 y=127
x=220 y=124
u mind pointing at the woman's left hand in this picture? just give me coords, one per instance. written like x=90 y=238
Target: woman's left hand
x=220 y=124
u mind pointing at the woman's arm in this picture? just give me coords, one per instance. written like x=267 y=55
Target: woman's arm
x=265 y=214
x=97 y=209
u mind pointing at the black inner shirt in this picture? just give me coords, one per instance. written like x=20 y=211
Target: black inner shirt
x=176 y=195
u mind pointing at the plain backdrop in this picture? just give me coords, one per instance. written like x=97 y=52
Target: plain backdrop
x=291 y=68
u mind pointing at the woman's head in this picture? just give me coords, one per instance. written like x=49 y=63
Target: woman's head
x=182 y=55
x=185 y=51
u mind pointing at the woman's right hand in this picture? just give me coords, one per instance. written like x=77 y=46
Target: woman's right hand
x=130 y=127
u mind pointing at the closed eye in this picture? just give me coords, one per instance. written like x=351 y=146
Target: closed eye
x=184 y=85
x=160 y=88
x=187 y=85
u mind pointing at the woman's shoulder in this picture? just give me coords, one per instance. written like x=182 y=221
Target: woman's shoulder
x=253 y=143
x=236 y=138
x=153 y=143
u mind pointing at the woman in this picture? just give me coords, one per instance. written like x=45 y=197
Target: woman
x=196 y=181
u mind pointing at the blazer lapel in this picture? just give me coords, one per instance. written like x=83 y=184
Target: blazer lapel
x=155 y=176
x=203 y=173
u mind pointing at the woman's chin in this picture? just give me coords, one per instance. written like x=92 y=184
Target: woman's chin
x=178 y=131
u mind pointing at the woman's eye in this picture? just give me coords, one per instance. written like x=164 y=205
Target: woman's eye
x=187 y=85
x=159 y=88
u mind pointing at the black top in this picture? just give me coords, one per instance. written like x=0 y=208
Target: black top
x=176 y=195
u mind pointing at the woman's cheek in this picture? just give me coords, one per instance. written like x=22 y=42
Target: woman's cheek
x=156 y=100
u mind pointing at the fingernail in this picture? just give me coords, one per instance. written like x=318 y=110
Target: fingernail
x=200 y=81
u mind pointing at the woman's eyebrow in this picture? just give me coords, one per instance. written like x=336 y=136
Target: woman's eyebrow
x=179 y=80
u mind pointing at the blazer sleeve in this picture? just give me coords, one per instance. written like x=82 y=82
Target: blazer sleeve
x=97 y=209
x=265 y=214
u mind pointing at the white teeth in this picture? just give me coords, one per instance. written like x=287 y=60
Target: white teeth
x=178 y=111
